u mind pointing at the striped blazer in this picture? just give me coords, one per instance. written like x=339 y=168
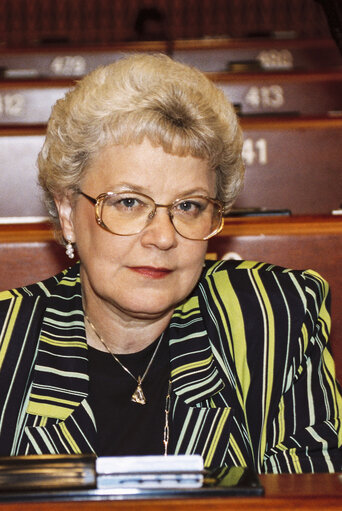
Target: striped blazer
x=253 y=379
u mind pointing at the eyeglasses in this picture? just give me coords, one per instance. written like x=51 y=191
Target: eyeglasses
x=126 y=213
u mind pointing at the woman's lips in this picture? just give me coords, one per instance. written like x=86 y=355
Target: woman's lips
x=151 y=272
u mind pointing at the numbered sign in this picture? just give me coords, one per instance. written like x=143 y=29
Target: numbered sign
x=254 y=152
x=276 y=59
x=271 y=96
x=12 y=105
x=69 y=65
x=292 y=164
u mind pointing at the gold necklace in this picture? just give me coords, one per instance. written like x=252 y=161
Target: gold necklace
x=166 y=436
x=138 y=395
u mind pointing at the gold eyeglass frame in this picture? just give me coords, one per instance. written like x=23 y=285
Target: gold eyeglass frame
x=98 y=202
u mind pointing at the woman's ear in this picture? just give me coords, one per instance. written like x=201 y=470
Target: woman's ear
x=65 y=213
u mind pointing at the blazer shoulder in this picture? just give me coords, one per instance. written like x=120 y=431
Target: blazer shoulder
x=302 y=282
x=233 y=266
x=44 y=288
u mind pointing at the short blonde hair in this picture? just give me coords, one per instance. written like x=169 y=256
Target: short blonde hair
x=175 y=106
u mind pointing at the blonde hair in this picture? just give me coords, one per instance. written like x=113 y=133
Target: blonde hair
x=173 y=105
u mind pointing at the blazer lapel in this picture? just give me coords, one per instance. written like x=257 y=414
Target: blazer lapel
x=199 y=426
x=57 y=402
x=194 y=372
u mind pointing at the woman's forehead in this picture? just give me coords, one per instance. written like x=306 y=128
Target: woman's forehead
x=146 y=168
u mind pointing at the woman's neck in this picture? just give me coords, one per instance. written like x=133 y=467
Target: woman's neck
x=118 y=332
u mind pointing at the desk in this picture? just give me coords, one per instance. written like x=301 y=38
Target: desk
x=286 y=492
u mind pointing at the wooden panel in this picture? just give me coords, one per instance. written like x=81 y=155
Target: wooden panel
x=18 y=173
x=300 y=243
x=29 y=102
x=47 y=62
x=29 y=253
x=310 y=93
x=26 y=263
x=292 y=163
x=269 y=53
x=212 y=55
x=306 y=93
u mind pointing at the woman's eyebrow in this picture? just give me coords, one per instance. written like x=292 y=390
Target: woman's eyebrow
x=125 y=186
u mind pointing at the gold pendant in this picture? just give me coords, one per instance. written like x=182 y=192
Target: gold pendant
x=138 y=395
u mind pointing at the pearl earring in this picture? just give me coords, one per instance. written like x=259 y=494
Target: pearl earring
x=69 y=250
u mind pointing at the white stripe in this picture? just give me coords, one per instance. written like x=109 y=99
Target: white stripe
x=68 y=374
x=325 y=452
x=309 y=386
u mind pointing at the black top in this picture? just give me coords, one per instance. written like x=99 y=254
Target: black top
x=124 y=427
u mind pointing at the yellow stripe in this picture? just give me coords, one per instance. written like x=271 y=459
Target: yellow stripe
x=9 y=329
x=43 y=422
x=237 y=451
x=316 y=275
x=70 y=283
x=281 y=420
x=222 y=283
x=270 y=339
x=55 y=399
x=5 y=295
x=330 y=377
x=238 y=344
x=193 y=365
x=217 y=436
x=280 y=446
x=70 y=439
x=185 y=316
x=328 y=361
x=295 y=460
x=212 y=269
x=187 y=307
x=249 y=265
x=305 y=336
x=44 y=409
x=324 y=313
x=66 y=344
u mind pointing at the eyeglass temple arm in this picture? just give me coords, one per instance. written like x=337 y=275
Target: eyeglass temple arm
x=91 y=199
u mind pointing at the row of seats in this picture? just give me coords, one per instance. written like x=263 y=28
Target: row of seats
x=291 y=93
x=292 y=164
x=288 y=95
x=209 y=55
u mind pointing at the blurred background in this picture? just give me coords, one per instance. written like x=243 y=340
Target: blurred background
x=278 y=61
x=89 y=22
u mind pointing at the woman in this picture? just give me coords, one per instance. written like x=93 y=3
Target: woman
x=142 y=347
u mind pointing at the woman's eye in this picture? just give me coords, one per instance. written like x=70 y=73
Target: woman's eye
x=128 y=202
x=185 y=206
x=122 y=203
x=190 y=207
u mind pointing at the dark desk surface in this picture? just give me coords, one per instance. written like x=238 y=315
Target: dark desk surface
x=290 y=492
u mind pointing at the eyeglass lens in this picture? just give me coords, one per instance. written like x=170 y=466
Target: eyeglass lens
x=128 y=213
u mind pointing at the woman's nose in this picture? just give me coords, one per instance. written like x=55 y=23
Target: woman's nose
x=160 y=231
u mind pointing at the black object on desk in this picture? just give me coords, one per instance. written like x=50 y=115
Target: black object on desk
x=58 y=478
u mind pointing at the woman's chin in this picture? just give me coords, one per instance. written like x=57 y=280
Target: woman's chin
x=148 y=310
